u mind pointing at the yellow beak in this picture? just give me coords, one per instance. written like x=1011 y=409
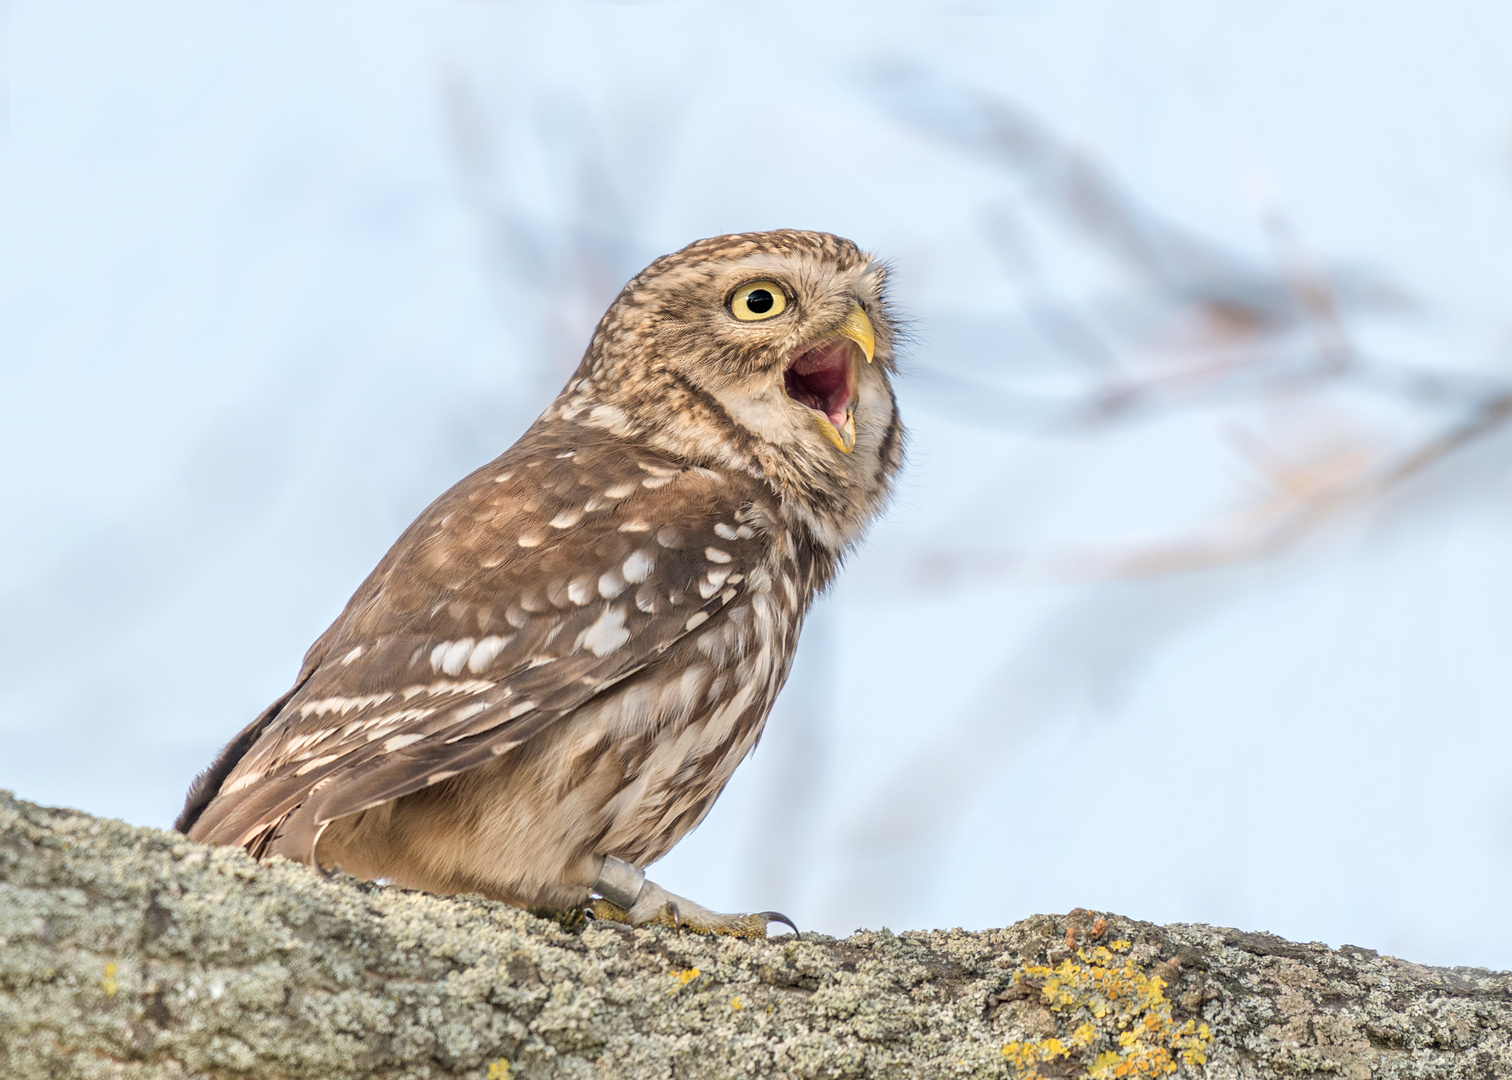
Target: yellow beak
x=844 y=438
x=858 y=328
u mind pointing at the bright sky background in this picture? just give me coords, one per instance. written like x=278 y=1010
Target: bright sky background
x=274 y=275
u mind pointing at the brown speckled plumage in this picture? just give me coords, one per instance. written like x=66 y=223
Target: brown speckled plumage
x=568 y=653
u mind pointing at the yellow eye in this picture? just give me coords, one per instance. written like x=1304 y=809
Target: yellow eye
x=757 y=300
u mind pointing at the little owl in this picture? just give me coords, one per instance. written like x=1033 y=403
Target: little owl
x=552 y=674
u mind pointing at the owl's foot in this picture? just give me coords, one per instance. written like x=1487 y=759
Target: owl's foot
x=654 y=906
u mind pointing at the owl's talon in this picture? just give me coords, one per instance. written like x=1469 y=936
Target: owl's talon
x=654 y=906
x=777 y=916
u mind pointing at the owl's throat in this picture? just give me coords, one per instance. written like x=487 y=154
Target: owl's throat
x=823 y=377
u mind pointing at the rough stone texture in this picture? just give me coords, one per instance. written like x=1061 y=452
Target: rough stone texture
x=128 y=952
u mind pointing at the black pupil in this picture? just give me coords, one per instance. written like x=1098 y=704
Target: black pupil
x=759 y=301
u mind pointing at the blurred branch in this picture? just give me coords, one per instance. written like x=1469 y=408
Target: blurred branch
x=1198 y=328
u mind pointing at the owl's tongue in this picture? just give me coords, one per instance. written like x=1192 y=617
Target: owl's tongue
x=820 y=377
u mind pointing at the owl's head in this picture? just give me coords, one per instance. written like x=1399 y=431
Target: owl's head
x=771 y=352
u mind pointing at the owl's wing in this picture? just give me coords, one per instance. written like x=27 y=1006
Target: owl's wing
x=538 y=582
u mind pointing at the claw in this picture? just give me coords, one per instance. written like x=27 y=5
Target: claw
x=777 y=916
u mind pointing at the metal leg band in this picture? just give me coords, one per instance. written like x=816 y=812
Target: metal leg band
x=620 y=883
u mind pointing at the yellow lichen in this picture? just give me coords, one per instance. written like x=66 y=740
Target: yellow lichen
x=685 y=977
x=735 y=1003
x=498 y=1070
x=109 y=983
x=1122 y=1021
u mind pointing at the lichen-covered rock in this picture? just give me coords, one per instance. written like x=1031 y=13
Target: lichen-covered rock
x=128 y=952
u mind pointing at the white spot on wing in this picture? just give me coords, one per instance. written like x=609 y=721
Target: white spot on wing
x=467 y=712
x=449 y=656
x=342 y=705
x=349 y=657
x=611 y=584
x=714 y=554
x=619 y=491
x=721 y=529
x=520 y=709
x=606 y=634
x=530 y=539
x=581 y=589
x=315 y=763
x=399 y=742
x=483 y=653
x=698 y=618
x=638 y=566
x=240 y=782
x=567 y=518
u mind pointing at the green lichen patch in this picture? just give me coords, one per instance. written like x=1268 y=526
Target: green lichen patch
x=1113 y=1017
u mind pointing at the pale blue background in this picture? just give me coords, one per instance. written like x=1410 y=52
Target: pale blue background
x=275 y=275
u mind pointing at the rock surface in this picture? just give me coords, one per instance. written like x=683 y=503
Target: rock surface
x=129 y=952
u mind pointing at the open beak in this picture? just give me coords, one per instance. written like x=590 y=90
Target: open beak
x=823 y=377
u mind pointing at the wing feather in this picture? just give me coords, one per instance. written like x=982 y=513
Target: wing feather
x=539 y=581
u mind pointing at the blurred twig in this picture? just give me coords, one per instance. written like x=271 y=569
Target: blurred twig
x=1198 y=327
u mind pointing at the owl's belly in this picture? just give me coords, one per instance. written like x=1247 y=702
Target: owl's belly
x=627 y=775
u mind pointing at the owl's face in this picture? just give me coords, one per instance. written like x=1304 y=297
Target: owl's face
x=768 y=350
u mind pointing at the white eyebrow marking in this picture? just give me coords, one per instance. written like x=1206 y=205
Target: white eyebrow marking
x=714 y=554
